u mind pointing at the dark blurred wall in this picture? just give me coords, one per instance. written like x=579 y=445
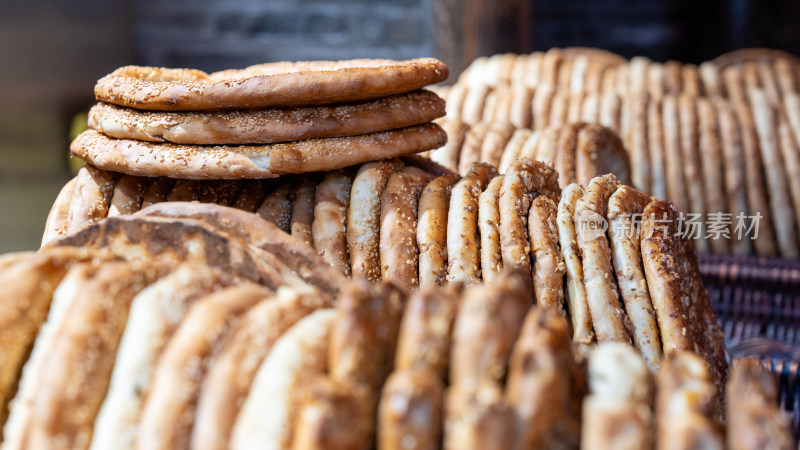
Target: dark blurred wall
x=52 y=52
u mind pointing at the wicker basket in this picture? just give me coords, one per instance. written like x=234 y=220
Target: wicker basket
x=758 y=304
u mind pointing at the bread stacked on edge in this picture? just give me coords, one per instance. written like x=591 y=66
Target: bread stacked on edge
x=720 y=140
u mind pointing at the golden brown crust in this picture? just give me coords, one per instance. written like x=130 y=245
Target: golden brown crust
x=157 y=191
x=364 y=217
x=582 y=332
x=574 y=106
x=434 y=203
x=488 y=226
x=751 y=54
x=298 y=257
x=547 y=262
x=471 y=150
x=559 y=110
x=765 y=118
x=128 y=195
x=785 y=73
x=757 y=200
x=494 y=143
x=608 y=318
x=625 y=207
x=590 y=108
x=685 y=404
x=277 y=206
x=486 y=327
x=424 y=341
x=83 y=356
x=672 y=78
x=540 y=108
x=296 y=360
x=92 y=195
x=683 y=308
x=566 y=153
x=639 y=146
x=754 y=421
x=655 y=145
x=450 y=153
x=185 y=191
x=539 y=387
x=407 y=397
x=463 y=253
x=239 y=356
x=398 y=233
x=329 y=229
x=58 y=218
x=267 y=126
x=252 y=161
x=29 y=283
x=154 y=315
x=690 y=80
x=513 y=148
x=610 y=109
x=735 y=177
x=303 y=199
x=712 y=82
x=790 y=152
x=167 y=419
x=477 y=419
x=273 y=84
x=713 y=167
x=673 y=157
x=692 y=166
x=474 y=103
x=524 y=181
x=655 y=80
x=521 y=99
x=769 y=82
x=220 y=192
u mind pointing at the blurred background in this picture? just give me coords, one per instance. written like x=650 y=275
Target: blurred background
x=52 y=52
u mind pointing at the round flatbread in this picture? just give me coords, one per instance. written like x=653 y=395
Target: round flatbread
x=713 y=169
x=494 y=143
x=590 y=108
x=277 y=205
x=672 y=78
x=655 y=145
x=514 y=148
x=608 y=318
x=676 y=183
x=406 y=396
x=574 y=105
x=463 y=252
x=58 y=218
x=686 y=320
x=690 y=78
x=524 y=181
x=644 y=172
x=625 y=207
x=547 y=262
x=303 y=201
x=449 y=154
x=434 y=203
x=296 y=358
x=488 y=225
x=90 y=200
x=540 y=108
x=329 y=229
x=600 y=151
x=692 y=166
x=566 y=153
x=559 y=109
x=128 y=195
x=398 y=232
x=185 y=191
x=474 y=103
x=785 y=72
x=220 y=192
x=240 y=354
x=158 y=190
x=471 y=150
x=712 y=82
x=154 y=315
x=521 y=99
x=791 y=160
x=655 y=80
x=272 y=84
x=251 y=161
x=364 y=217
x=267 y=126
x=582 y=331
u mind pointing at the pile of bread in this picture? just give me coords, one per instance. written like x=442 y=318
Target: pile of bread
x=190 y=325
x=721 y=137
x=181 y=299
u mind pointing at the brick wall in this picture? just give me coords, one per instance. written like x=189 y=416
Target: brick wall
x=213 y=35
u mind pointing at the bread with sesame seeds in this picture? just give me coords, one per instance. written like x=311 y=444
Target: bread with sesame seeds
x=463 y=253
x=166 y=419
x=399 y=254
x=582 y=331
x=81 y=358
x=267 y=126
x=154 y=315
x=488 y=226
x=364 y=217
x=329 y=229
x=264 y=85
x=302 y=217
x=252 y=161
x=434 y=203
x=157 y=191
x=409 y=394
x=58 y=218
x=128 y=195
x=269 y=413
x=277 y=206
x=547 y=262
x=240 y=353
x=91 y=198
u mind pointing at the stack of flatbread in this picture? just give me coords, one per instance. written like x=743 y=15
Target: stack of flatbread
x=719 y=140
x=262 y=121
x=166 y=329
